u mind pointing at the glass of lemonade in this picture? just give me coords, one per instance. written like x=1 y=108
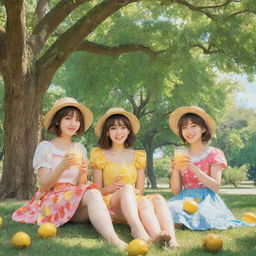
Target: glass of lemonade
x=179 y=153
x=76 y=151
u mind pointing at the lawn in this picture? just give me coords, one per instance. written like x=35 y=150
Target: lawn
x=82 y=239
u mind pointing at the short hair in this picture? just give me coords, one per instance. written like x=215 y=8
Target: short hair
x=105 y=142
x=195 y=119
x=54 y=126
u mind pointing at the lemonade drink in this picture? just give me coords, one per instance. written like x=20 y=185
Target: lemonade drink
x=76 y=152
x=179 y=154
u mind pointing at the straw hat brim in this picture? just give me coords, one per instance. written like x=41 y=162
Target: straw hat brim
x=131 y=117
x=179 y=112
x=87 y=114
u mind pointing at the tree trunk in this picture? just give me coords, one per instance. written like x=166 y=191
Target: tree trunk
x=21 y=129
x=150 y=167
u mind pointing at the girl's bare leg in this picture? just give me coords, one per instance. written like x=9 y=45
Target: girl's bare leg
x=94 y=209
x=165 y=220
x=124 y=204
x=148 y=218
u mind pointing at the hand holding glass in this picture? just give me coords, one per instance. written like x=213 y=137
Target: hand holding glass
x=179 y=155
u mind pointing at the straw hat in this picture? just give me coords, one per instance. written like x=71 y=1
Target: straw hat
x=114 y=111
x=179 y=112
x=68 y=102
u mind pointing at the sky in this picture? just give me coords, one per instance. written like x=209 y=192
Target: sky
x=247 y=97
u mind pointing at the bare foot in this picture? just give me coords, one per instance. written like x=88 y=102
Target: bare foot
x=141 y=234
x=118 y=242
x=173 y=244
x=165 y=238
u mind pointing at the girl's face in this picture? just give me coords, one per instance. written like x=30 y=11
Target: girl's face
x=192 y=133
x=70 y=124
x=118 y=133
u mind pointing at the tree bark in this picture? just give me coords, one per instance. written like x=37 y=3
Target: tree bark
x=150 y=166
x=21 y=125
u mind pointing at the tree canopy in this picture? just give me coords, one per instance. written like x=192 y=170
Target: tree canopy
x=38 y=36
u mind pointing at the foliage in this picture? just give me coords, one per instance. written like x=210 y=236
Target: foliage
x=236 y=137
x=235 y=175
x=162 y=167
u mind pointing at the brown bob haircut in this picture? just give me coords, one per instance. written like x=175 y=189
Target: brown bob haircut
x=54 y=127
x=105 y=142
x=195 y=119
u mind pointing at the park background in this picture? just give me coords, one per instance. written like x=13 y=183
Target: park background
x=148 y=57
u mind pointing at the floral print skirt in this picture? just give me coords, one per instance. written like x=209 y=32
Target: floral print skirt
x=56 y=206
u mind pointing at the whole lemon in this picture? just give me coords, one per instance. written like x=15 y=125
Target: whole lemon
x=47 y=230
x=21 y=240
x=137 y=247
x=249 y=217
x=212 y=243
x=1 y=221
x=190 y=206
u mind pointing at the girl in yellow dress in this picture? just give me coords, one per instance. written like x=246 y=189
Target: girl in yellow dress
x=119 y=172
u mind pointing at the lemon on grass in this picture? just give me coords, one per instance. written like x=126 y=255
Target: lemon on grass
x=47 y=230
x=190 y=206
x=21 y=240
x=212 y=243
x=1 y=222
x=249 y=217
x=137 y=247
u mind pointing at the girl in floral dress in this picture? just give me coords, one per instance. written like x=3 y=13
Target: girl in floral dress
x=64 y=194
x=119 y=173
x=198 y=175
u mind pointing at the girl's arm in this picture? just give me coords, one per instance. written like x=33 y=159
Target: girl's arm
x=83 y=173
x=176 y=185
x=98 y=181
x=140 y=181
x=212 y=182
x=48 y=178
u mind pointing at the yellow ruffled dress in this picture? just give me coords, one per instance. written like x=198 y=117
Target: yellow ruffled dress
x=111 y=170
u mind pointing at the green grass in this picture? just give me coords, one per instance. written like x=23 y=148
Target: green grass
x=82 y=239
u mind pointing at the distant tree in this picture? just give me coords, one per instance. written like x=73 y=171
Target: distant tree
x=235 y=175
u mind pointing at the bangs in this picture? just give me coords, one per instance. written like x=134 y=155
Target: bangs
x=195 y=119
x=118 y=120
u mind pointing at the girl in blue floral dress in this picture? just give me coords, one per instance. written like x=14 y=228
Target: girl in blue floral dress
x=198 y=175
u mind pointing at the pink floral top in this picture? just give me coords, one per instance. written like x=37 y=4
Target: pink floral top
x=212 y=156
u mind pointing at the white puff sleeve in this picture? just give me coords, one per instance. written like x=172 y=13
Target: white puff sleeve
x=43 y=156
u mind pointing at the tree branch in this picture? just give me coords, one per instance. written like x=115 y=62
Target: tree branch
x=51 y=21
x=15 y=38
x=195 y=8
x=241 y=12
x=138 y=109
x=206 y=50
x=69 y=40
x=220 y=5
x=40 y=11
x=115 y=50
